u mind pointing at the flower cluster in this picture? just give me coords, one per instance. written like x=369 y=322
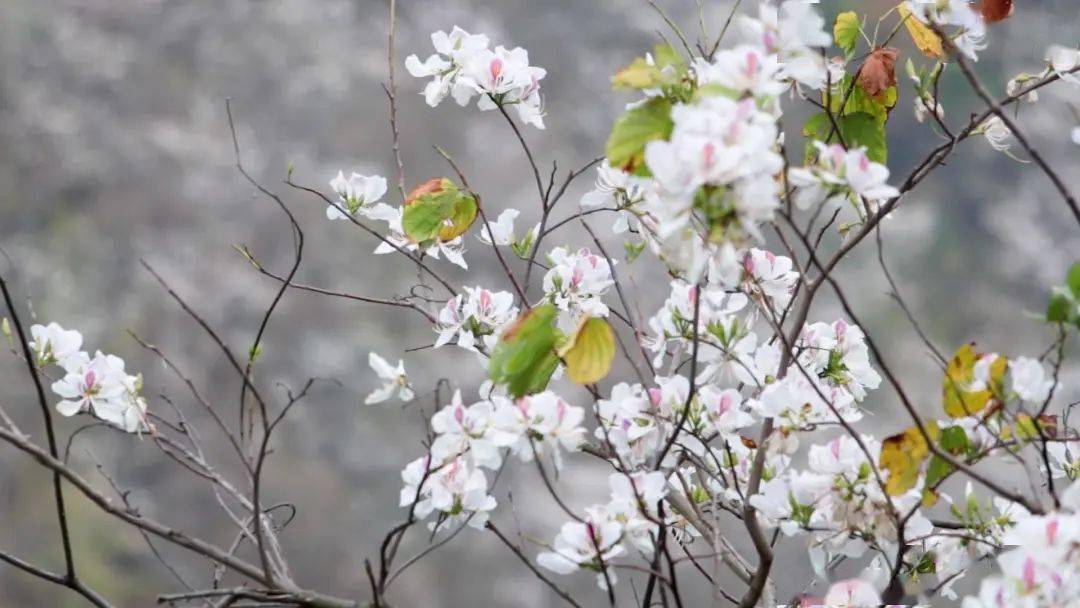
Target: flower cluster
x=841 y=176
x=476 y=317
x=629 y=517
x=839 y=502
x=450 y=480
x=576 y=283
x=464 y=67
x=96 y=385
x=1040 y=565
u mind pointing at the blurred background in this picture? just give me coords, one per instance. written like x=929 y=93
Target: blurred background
x=115 y=148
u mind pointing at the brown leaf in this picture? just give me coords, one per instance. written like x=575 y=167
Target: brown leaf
x=432 y=186
x=878 y=72
x=995 y=10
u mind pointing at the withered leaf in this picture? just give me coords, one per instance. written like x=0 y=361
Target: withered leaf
x=995 y=10
x=878 y=72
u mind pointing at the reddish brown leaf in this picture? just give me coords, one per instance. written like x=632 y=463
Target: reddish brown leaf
x=995 y=10
x=432 y=186
x=878 y=72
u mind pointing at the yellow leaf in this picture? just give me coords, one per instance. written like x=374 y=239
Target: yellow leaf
x=589 y=351
x=957 y=397
x=903 y=455
x=925 y=38
x=846 y=30
x=637 y=75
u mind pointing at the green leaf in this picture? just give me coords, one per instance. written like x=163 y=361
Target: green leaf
x=1062 y=307
x=858 y=100
x=524 y=358
x=937 y=470
x=589 y=352
x=954 y=440
x=1073 y=279
x=636 y=127
x=440 y=211
x=857 y=129
x=846 y=31
x=667 y=68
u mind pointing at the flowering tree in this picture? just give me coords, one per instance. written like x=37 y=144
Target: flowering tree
x=739 y=426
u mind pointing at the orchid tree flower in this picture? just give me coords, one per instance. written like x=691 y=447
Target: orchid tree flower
x=395 y=381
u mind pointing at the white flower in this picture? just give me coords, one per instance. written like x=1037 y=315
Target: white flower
x=1063 y=60
x=356 y=194
x=465 y=67
x=576 y=282
x=634 y=500
x=628 y=422
x=791 y=33
x=745 y=68
x=53 y=344
x=394 y=381
x=997 y=133
x=925 y=108
x=770 y=275
x=478 y=315
x=539 y=423
x=837 y=353
x=453 y=50
x=795 y=402
x=723 y=409
x=839 y=175
x=463 y=431
x=617 y=189
x=584 y=544
x=101 y=387
x=502 y=229
x=504 y=77
x=1029 y=379
x=852 y=593
x=453 y=488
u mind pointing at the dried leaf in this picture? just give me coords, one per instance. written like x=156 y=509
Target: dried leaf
x=995 y=10
x=878 y=72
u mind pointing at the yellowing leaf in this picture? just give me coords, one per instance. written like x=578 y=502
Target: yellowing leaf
x=667 y=67
x=923 y=37
x=903 y=455
x=438 y=209
x=589 y=352
x=958 y=398
x=846 y=31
